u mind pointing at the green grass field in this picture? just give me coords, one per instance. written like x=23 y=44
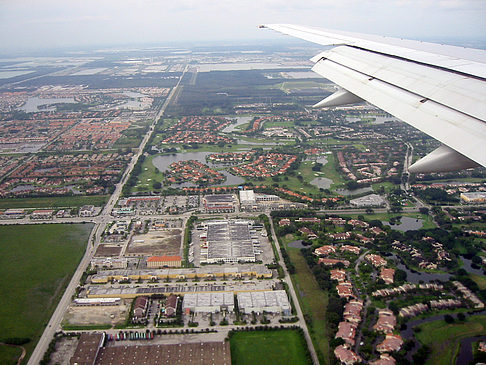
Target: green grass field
x=313 y=301
x=444 y=339
x=480 y=280
x=268 y=347
x=9 y=355
x=37 y=262
x=53 y=202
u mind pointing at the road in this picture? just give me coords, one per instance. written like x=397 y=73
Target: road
x=100 y=223
x=295 y=299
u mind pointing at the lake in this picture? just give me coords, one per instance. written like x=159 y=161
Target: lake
x=162 y=163
x=32 y=104
x=407 y=224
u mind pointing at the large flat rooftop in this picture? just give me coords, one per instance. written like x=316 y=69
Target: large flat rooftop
x=229 y=241
x=201 y=353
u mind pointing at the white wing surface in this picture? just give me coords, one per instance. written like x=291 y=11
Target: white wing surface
x=438 y=89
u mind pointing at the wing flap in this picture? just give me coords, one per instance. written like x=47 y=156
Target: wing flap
x=455 y=129
x=464 y=94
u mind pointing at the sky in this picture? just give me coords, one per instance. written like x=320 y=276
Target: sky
x=45 y=24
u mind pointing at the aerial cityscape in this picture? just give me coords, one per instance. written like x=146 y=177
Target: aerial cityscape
x=186 y=204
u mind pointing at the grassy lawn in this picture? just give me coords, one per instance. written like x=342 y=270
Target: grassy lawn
x=480 y=280
x=268 y=347
x=444 y=339
x=313 y=301
x=53 y=202
x=149 y=175
x=9 y=354
x=329 y=171
x=37 y=262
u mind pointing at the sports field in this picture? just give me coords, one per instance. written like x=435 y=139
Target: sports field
x=268 y=347
x=36 y=264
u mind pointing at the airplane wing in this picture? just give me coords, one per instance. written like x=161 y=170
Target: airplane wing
x=438 y=89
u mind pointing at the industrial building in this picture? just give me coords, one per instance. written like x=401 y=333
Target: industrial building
x=88 y=302
x=97 y=291
x=109 y=262
x=251 y=201
x=88 y=348
x=473 y=197
x=271 y=301
x=42 y=214
x=208 y=302
x=372 y=200
x=220 y=203
x=228 y=241
x=233 y=272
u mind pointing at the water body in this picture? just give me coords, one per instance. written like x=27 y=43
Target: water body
x=465 y=353
x=407 y=224
x=467 y=266
x=358 y=191
x=162 y=163
x=415 y=276
x=239 y=121
x=322 y=182
x=241 y=141
x=33 y=103
x=378 y=119
x=297 y=244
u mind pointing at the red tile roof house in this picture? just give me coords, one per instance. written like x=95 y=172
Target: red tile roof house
x=140 y=309
x=311 y=235
x=347 y=331
x=171 y=305
x=349 y=248
x=376 y=260
x=390 y=343
x=352 y=311
x=345 y=290
x=346 y=356
x=384 y=359
x=284 y=222
x=338 y=275
x=387 y=275
x=386 y=321
x=332 y=262
x=325 y=250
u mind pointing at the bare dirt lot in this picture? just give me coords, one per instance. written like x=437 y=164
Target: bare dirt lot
x=108 y=251
x=65 y=348
x=166 y=242
x=96 y=315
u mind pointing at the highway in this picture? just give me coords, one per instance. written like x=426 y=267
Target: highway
x=100 y=221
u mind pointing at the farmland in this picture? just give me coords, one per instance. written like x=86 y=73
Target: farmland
x=37 y=262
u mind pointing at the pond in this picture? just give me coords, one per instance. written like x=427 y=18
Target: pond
x=468 y=266
x=297 y=244
x=322 y=182
x=347 y=192
x=407 y=224
x=239 y=121
x=33 y=103
x=415 y=276
x=162 y=163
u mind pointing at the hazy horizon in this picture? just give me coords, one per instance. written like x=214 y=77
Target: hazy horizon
x=54 y=24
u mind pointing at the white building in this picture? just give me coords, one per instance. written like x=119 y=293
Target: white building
x=209 y=302
x=271 y=301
